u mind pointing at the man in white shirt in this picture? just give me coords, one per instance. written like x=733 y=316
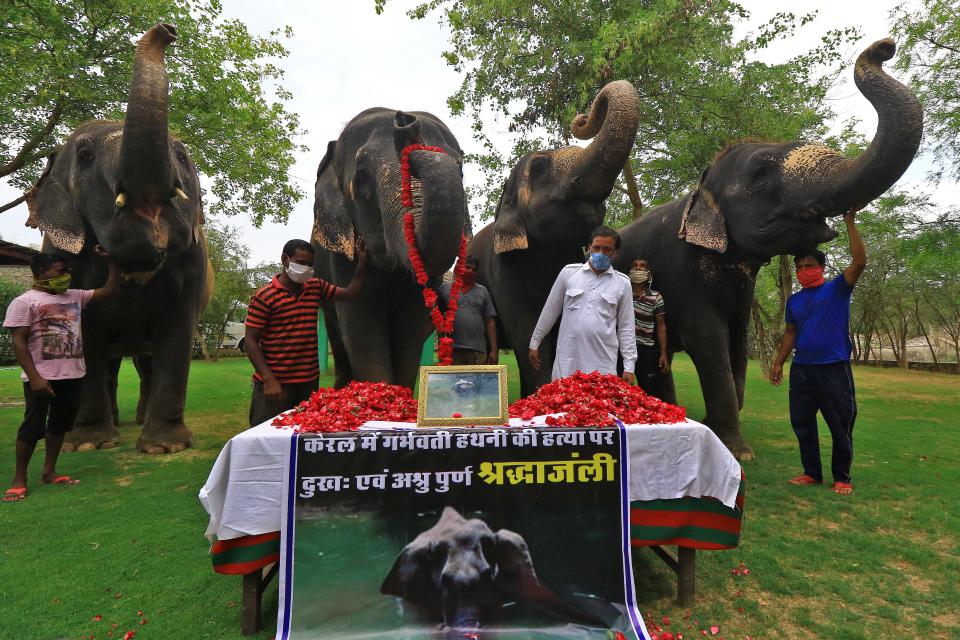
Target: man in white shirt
x=596 y=303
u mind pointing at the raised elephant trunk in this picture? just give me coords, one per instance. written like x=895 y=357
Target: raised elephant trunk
x=146 y=178
x=851 y=183
x=612 y=124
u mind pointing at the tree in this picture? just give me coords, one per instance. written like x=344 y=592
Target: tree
x=538 y=64
x=63 y=62
x=929 y=41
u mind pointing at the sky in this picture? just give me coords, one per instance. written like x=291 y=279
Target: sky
x=344 y=58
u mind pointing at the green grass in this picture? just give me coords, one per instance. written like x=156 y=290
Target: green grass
x=879 y=564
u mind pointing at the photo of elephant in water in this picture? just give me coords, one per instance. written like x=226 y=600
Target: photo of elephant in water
x=755 y=201
x=380 y=335
x=550 y=203
x=132 y=188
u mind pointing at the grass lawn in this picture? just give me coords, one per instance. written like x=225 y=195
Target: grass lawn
x=882 y=563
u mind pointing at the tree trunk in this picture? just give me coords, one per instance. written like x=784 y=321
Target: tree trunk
x=632 y=191
x=761 y=333
x=923 y=330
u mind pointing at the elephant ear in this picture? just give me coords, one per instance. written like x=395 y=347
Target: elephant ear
x=53 y=211
x=509 y=230
x=411 y=576
x=332 y=227
x=515 y=571
x=702 y=223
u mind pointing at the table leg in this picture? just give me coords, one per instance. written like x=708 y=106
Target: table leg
x=686 y=576
x=252 y=598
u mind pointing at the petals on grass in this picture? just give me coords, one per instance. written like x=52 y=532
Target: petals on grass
x=666 y=621
x=97 y=618
x=714 y=630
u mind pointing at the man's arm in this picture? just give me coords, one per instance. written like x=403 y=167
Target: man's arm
x=272 y=390
x=548 y=317
x=21 y=338
x=493 y=353
x=112 y=286
x=786 y=346
x=359 y=277
x=852 y=273
x=627 y=334
x=661 y=322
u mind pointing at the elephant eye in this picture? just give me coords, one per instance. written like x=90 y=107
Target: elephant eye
x=763 y=173
x=85 y=156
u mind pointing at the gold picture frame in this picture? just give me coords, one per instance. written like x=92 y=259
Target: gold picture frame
x=465 y=390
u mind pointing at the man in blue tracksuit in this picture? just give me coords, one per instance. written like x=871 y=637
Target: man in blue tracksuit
x=817 y=326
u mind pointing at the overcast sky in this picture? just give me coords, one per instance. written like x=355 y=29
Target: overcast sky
x=344 y=59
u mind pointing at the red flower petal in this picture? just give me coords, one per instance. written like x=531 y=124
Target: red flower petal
x=457 y=414
x=714 y=630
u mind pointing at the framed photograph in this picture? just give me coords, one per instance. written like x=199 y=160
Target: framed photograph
x=462 y=395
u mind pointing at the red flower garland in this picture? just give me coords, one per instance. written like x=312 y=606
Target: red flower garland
x=443 y=325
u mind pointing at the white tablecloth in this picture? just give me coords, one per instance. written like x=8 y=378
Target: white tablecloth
x=244 y=491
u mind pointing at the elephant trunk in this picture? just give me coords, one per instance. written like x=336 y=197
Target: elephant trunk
x=440 y=209
x=146 y=177
x=612 y=123
x=841 y=184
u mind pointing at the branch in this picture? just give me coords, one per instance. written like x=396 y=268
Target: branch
x=13 y=203
x=26 y=154
x=941 y=45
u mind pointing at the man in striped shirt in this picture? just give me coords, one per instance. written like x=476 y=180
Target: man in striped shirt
x=650 y=320
x=281 y=331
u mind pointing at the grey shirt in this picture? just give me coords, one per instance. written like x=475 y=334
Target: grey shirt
x=473 y=307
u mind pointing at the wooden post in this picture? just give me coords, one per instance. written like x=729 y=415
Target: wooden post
x=250 y=611
x=686 y=576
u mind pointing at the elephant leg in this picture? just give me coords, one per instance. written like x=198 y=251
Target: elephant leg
x=407 y=336
x=738 y=358
x=365 y=330
x=164 y=430
x=668 y=390
x=143 y=365
x=711 y=357
x=343 y=373
x=113 y=376
x=94 y=427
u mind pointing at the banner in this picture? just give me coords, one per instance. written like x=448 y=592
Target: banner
x=458 y=533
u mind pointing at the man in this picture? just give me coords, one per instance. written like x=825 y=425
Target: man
x=649 y=314
x=596 y=303
x=817 y=321
x=281 y=330
x=474 y=327
x=49 y=347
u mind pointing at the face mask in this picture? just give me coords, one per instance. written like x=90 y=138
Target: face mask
x=600 y=261
x=639 y=276
x=54 y=285
x=299 y=273
x=810 y=277
x=469 y=278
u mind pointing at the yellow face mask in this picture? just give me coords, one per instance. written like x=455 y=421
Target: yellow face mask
x=54 y=285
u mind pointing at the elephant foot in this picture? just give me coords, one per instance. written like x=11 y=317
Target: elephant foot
x=141 y=415
x=156 y=441
x=91 y=438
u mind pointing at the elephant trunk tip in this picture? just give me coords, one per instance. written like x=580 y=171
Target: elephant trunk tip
x=153 y=44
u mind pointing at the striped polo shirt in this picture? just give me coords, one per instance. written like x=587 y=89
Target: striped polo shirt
x=288 y=328
x=646 y=307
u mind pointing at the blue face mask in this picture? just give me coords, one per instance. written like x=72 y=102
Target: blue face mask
x=600 y=261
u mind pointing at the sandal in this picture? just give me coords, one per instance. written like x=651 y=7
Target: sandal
x=805 y=479
x=63 y=480
x=842 y=488
x=15 y=494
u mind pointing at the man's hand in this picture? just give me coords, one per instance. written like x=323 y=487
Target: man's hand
x=534 y=357
x=664 y=363
x=776 y=374
x=629 y=377
x=272 y=391
x=40 y=384
x=493 y=357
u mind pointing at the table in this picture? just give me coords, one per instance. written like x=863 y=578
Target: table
x=689 y=494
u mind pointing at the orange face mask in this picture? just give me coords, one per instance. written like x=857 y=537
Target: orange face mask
x=810 y=276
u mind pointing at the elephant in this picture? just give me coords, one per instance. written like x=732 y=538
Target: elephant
x=133 y=189
x=462 y=570
x=549 y=205
x=755 y=201
x=380 y=335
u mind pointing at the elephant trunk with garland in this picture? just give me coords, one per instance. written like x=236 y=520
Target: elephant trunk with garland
x=550 y=203
x=380 y=335
x=755 y=201
x=132 y=188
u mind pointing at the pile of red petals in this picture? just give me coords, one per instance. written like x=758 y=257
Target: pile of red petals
x=592 y=400
x=741 y=570
x=346 y=409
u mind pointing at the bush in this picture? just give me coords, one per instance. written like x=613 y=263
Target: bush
x=8 y=291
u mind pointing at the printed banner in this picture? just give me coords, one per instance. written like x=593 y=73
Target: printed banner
x=458 y=533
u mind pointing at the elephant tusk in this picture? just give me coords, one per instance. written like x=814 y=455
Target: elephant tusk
x=121 y=199
x=180 y=193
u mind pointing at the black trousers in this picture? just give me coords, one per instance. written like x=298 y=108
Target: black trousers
x=45 y=414
x=649 y=376
x=827 y=388
x=294 y=393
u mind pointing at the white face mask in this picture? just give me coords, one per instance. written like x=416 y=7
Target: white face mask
x=298 y=272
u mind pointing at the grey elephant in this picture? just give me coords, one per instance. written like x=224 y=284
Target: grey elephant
x=462 y=570
x=131 y=187
x=550 y=203
x=380 y=335
x=755 y=201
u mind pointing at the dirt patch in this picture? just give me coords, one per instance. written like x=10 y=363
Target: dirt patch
x=124 y=481
x=911 y=575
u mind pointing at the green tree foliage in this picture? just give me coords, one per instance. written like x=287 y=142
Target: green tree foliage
x=8 y=291
x=63 y=62
x=929 y=41
x=538 y=64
